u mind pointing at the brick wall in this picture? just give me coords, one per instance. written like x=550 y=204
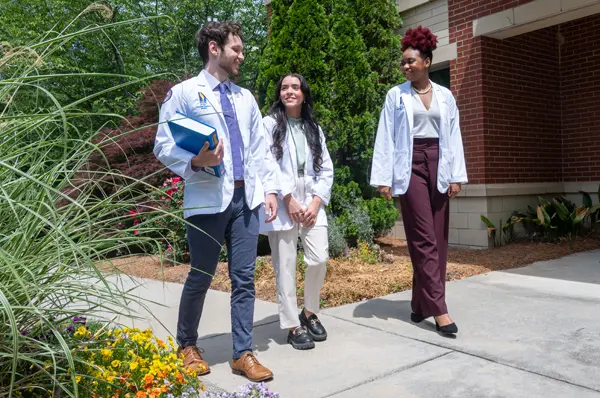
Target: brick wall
x=522 y=116
x=529 y=109
x=580 y=89
x=466 y=78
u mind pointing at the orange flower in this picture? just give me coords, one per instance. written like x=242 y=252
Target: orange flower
x=164 y=388
x=149 y=378
x=140 y=394
x=179 y=377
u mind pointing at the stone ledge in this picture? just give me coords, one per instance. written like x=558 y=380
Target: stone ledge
x=523 y=189
x=405 y=5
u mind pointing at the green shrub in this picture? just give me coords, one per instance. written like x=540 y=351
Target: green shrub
x=337 y=240
x=551 y=220
x=383 y=214
x=357 y=225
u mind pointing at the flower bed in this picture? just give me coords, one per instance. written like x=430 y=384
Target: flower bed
x=130 y=363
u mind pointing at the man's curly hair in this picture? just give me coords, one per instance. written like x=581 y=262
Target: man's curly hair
x=420 y=39
x=219 y=33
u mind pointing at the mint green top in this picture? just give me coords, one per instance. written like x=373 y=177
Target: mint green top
x=297 y=133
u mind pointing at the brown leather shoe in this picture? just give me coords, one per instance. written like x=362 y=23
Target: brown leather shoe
x=247 y=365
x=193 y=360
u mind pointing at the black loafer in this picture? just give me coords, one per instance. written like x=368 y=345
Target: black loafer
x=300 y=339
x=314 y=326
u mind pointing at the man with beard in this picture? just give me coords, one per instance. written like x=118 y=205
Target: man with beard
x=220 y=208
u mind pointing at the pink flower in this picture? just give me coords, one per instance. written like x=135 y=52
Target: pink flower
x=176 y=179
x=136 y=232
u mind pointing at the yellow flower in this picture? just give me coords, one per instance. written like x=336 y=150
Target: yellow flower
x=77 y=379
x=133 y=365
x=116 y=363
x=106 y=353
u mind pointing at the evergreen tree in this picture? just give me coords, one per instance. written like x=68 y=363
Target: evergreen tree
x=299 y=43
x=352 y=103
x=378 y=21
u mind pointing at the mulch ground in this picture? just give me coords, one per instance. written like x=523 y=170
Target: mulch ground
x=351 y=280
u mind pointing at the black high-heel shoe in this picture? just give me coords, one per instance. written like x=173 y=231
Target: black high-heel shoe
x=416 y=318
x=447 y=329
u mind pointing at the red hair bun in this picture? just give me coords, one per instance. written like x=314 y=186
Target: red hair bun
x=420 y=39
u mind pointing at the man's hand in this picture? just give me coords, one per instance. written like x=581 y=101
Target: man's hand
x=385 y=191
x=454 y=190
x=295 y=211
x=310 y=215
x=270 y=207
x=207 y=157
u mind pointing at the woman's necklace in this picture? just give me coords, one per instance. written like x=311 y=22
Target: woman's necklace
x=421 y=92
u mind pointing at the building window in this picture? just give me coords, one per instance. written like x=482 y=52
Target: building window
x=441 y=77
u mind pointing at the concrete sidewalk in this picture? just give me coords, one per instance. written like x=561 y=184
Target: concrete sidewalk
x=531 y=332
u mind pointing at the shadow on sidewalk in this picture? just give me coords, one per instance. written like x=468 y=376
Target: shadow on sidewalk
x=218 y=347
x=387 y=309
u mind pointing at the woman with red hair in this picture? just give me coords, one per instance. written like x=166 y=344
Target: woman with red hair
x=419 y=157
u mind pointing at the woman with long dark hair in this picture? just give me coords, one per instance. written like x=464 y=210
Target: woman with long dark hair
x=306 y=176
x=419 y=157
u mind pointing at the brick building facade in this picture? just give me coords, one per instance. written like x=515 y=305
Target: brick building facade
x=526 y=76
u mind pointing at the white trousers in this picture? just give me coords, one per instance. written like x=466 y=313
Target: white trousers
x=284 y=246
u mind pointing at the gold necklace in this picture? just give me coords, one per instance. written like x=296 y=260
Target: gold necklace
x=421 y=92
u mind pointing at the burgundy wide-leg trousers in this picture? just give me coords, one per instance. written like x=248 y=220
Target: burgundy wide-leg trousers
x=425 y=212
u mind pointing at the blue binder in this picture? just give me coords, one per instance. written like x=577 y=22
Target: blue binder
x=191 y=134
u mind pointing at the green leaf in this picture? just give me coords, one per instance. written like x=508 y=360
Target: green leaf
x=543 y=201
x=580 y=213
x=487 y=222
x=587 y=199
x=562 y=210
x=541 y=215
